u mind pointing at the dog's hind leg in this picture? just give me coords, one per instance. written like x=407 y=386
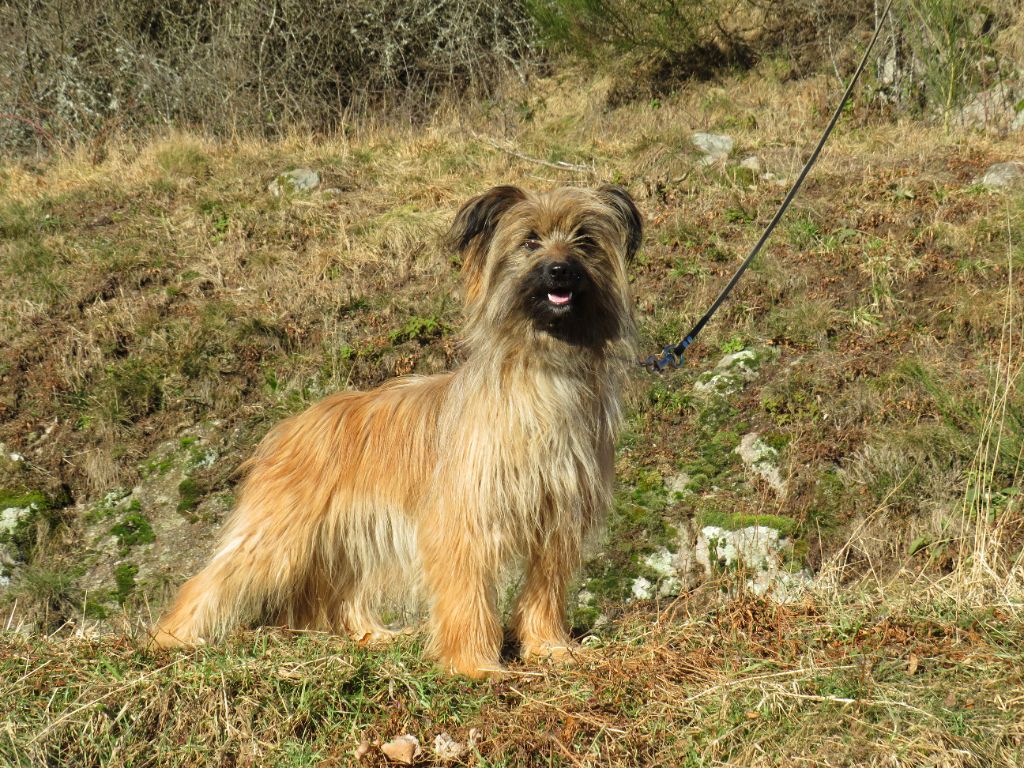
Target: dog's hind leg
x=358 y=619
x=247 y=577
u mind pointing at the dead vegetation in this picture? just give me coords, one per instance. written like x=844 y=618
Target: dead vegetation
x=747 y=683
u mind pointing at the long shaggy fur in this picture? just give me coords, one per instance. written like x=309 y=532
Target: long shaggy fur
x=448 y=480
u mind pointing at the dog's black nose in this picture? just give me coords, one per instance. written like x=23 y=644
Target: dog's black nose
x=561 y=273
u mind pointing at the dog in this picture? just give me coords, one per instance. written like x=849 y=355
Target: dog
x=447 y=481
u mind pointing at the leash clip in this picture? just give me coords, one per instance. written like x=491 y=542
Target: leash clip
x=668 y=359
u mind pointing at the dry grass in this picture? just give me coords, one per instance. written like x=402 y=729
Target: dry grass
x=744 y=683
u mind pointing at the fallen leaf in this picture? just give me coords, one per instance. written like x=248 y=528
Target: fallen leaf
x=912 y=664
x=402 y=750
x=362 y=750
x=447 y=749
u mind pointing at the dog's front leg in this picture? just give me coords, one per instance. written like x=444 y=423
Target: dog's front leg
x=465 y=626
x=539 y=621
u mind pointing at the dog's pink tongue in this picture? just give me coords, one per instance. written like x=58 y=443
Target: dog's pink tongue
x=559 y=298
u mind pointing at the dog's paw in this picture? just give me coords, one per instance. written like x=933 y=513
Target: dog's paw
x=475 y=669
x=556 y=651
x=376 y=636
x=160 y=639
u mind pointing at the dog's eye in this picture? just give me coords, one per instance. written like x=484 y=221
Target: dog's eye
x=585 y=240
x=585 y=243
x=532 y=244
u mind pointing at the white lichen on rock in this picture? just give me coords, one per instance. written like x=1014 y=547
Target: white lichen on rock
x=642 y=589
x=715 y=146
x=729 y=375
x=762 y=460
x=295 y=180
x=678 y=483
x=663 y=564
x=760 y=552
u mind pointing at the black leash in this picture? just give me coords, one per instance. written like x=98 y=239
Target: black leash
x=672 y=356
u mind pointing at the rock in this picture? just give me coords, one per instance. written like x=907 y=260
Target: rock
x=761 y=459
x=15 y=522
x=402 y=750
x=660 y=561
x=11 y=517
x=715 y=146
x=759 y=550
x=295 y=180
x=677 y=483
x=752 y=163
x=995 y=110
x=1003 y=175
x=732 y=372
x=642 y=589
x=141 y=539
x=663 y=564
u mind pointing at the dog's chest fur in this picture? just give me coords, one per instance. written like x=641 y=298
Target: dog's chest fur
x=526 y=447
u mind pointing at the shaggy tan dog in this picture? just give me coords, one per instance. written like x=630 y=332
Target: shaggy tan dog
x=446 y=481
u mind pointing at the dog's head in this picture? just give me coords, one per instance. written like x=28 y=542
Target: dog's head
x=551 y=265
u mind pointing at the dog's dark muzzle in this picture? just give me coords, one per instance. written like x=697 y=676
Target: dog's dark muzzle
x=561 y=282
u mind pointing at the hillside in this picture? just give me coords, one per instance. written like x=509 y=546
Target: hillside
x=162 y=310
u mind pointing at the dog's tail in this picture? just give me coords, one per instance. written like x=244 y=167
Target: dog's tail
x=246 y=579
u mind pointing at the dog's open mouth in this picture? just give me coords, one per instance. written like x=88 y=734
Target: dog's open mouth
x=560 y=298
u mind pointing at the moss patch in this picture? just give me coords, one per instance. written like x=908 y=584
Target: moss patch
x=733 y=521
x=190 y=493
x=134 y=528
x=20 y=532
x=124 y=578
x=21 y=499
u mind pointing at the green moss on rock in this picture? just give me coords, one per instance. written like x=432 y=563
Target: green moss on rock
x=190 y=493
x=733 y=521
x=124 y=578
x=134 y=528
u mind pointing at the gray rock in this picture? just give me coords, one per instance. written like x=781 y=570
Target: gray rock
x=752 y=163
x=663 y=564
x=11 y=519
x=677 y=483
x=642 y=589
x=715 y=146
x=731 y=373
x=12 y=516
x=760 y=551
x=295 y=180
x=1003 y=175
x=995 y=110
x=762 y=460
x=181 y=535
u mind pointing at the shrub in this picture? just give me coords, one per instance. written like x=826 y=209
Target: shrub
x=72 y=69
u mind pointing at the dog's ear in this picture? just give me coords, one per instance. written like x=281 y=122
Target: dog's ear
x=629 y=217
x=474 y=227
x=479 y=216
